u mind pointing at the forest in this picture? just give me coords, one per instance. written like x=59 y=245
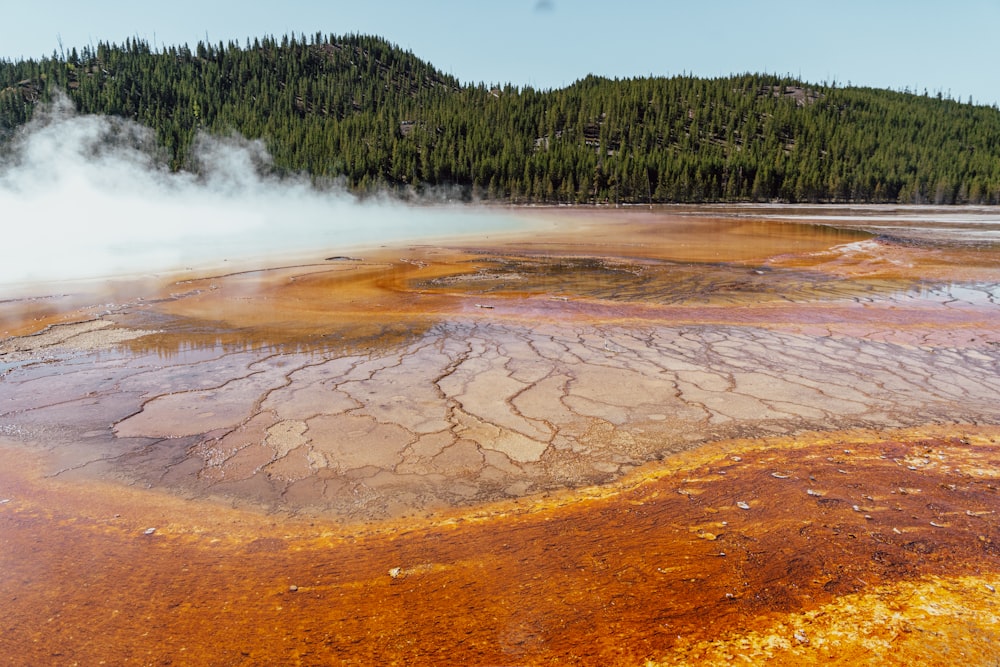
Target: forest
x=357 y=110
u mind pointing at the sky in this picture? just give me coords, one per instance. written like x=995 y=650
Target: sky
x=916 y=45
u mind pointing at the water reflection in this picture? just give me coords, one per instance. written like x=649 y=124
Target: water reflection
x=520 y=450
x=190 y=347
x=974 y=294
x=468 y=374
x=962 y=226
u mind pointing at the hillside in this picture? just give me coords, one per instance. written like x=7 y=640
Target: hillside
x=358 y=109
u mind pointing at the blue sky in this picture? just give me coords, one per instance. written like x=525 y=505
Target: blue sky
x=951 y=47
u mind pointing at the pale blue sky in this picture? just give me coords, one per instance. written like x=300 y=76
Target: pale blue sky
x=917 y=44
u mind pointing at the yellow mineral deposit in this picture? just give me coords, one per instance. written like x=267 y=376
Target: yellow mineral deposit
x=680 y=436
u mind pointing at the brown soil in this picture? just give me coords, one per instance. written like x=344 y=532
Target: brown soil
x=815 y=550
x=625 y=439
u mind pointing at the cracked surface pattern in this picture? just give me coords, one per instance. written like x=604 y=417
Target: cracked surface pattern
x=370 y=389
x=572 y=446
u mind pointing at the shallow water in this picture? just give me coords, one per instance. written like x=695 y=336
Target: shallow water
x=430 y=382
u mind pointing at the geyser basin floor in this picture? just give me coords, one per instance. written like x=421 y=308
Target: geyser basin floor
x=813 y=550
x=435 y=381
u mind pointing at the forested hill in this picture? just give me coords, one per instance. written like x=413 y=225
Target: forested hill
x=359 y=109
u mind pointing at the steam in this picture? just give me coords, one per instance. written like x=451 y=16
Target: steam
x=87 y=197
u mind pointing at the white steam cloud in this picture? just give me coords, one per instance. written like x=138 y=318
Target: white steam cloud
x=82 y=197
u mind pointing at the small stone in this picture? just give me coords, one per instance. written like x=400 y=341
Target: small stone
x=293 y=588
x=396 y=572
x=742 y=505
x=149 y=531
x=800 y=637
x=813 y=492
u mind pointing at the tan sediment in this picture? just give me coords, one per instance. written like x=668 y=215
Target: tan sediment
x=88 y=335
x=896 y=561
x=570 y=448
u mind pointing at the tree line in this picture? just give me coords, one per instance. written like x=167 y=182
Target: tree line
x=359 y=110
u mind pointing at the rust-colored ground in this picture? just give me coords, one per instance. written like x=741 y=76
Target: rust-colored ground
x=626 y=439
x=859 y=548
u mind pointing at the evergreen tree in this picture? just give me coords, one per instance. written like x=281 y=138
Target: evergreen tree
x=359 y=109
